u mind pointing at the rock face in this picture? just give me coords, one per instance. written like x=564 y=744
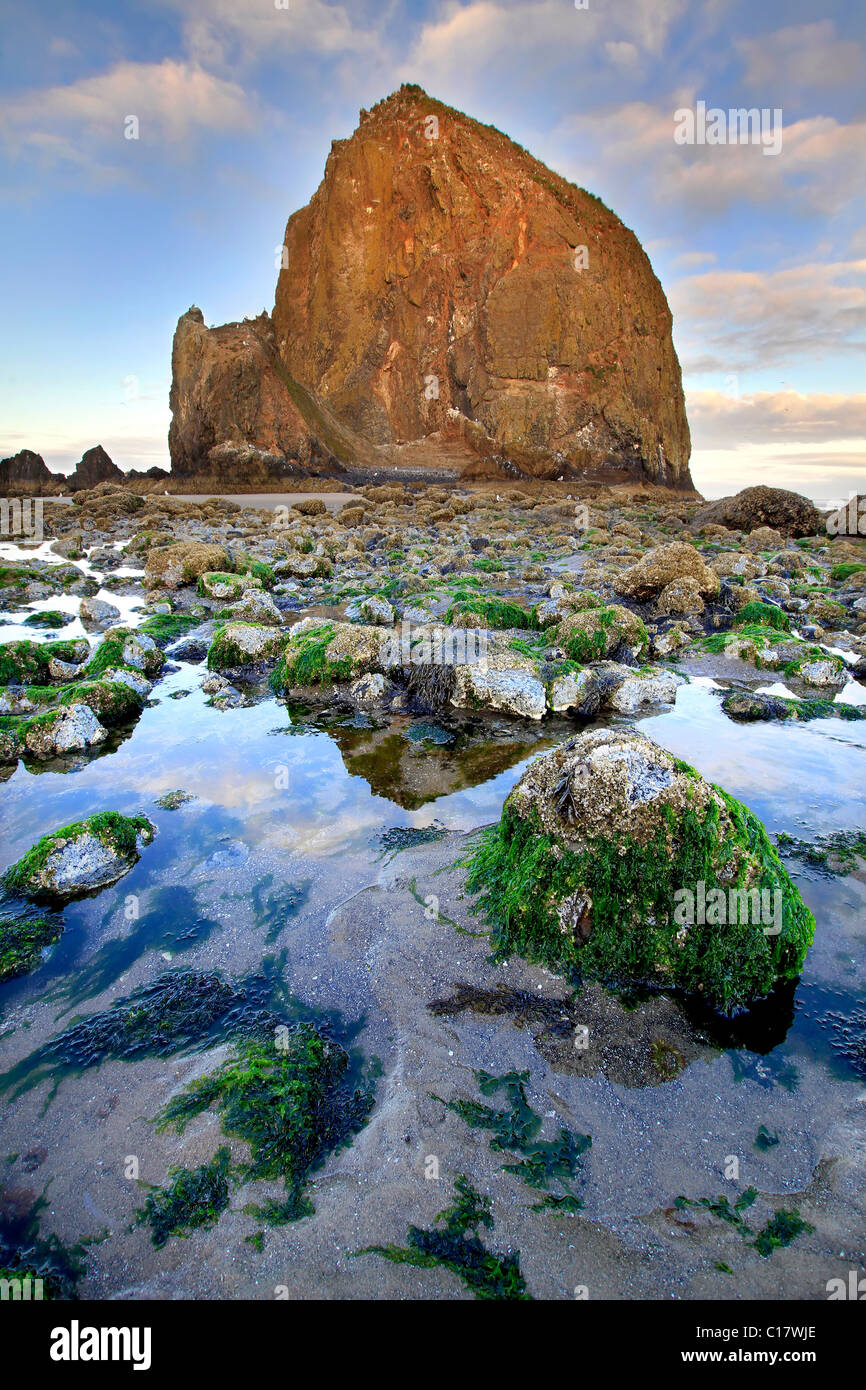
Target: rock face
x=441 y=290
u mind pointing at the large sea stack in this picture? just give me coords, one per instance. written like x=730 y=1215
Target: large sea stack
x=446 y=302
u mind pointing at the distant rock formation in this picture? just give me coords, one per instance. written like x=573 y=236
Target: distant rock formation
x=786 y=512
x=26 y=472
x=93 y=468
x=444 y=296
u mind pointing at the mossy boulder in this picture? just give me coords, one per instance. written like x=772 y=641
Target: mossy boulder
x=244 y=644
x=319 y=653
x=171 y=566
x=121 y=646
x=113 y=702
x=27 y=663
x=614 y=861
x=661 y=566
x=596 y=633
x=71 y=729
x=229 y=587
x=80 y=858
x=476 y=610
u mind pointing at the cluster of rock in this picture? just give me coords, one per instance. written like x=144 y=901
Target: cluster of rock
x=27 y=473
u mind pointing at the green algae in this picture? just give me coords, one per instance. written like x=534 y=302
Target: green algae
x=844 y=571
x=305 y=660
x=119 y=833
x=838 y=852
x=780 y=1230
x=457 y=1247
x=400 y=837
x=515 y=1129
x=194 y=1200
x=26 y=1253
x=245 y=564
x=763 y=615
x=521 y=874
x=609 y=630
x=26 y=663
x=24 y=935
x=50 y=618
x=168 y=627
x=291 y=1100
x=112 y=702
x=495 y=613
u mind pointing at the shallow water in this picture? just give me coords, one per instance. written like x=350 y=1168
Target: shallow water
x=281 y=851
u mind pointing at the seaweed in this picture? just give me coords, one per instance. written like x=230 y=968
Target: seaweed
x=522 y=874
x=516 y=1129
x=457 y=1247
x=836 y=853
x=24 y=935
x=780 y=1230
x=293 y=1103
x=305 y=660
x=195 y=1198
x=400 y=837
x=25 y=1254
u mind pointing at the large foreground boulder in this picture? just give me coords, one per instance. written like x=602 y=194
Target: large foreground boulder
x=80 y=858
x=663 y=566
x=170 y=566
x=615 y=860
x=754 y=507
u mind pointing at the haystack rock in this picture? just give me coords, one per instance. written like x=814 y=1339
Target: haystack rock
x=446 y=302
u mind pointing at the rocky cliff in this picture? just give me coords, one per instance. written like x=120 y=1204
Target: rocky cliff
x=444 y=295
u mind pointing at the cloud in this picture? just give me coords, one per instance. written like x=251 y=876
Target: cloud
x=83 y=122
x=729 y=321
x=775 y=417
x=522 y=41
x=222 y=33
x=801 y=56
x=630 y=150
x=812 y=443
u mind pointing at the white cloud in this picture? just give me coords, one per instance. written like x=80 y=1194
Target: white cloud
x=775 y=417
x=221 y=33
x=82 y=123
x=801 y=56
x=813 y=443
x=820 y=168
x=728 y=321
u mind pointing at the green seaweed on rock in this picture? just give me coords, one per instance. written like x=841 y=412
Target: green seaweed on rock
x=522 y=874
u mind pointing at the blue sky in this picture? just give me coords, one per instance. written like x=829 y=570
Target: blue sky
x=107 y=240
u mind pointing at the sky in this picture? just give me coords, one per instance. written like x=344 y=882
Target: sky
x=107 y=239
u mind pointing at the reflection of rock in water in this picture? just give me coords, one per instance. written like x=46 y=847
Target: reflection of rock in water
x=412 y=771
x=594 y=1033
